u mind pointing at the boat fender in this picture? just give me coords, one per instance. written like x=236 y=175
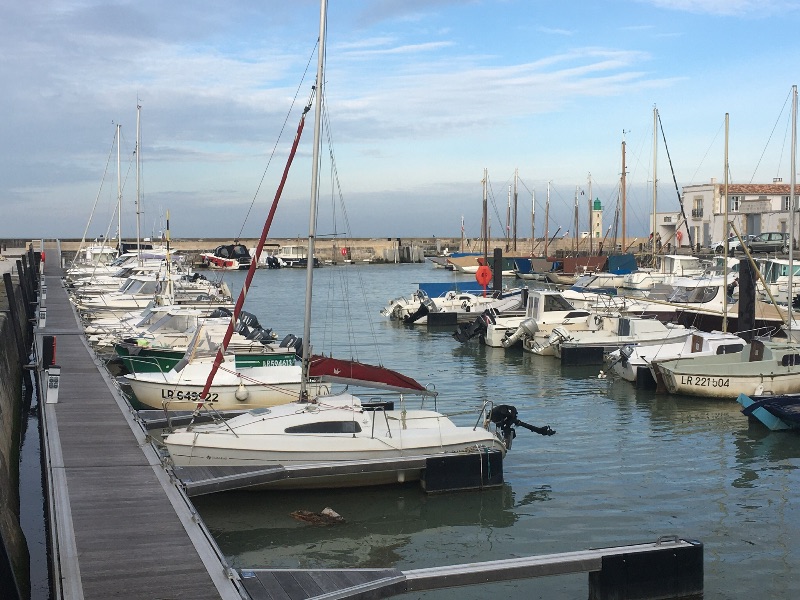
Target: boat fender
x=242 y=392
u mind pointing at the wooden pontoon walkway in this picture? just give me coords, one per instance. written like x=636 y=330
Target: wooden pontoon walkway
x=120 y=528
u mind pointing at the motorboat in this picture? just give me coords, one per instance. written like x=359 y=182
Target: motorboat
x=589 y=347
x=229 y=257
x=763 y=367
x=632 y=361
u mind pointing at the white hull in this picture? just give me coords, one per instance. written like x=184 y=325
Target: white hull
x=252 y=387
x=762 y=368
x=729 y=386
x=331 y=432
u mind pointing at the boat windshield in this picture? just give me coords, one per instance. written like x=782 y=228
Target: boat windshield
x=556 y=303
x=698 y=295
x=774 y=270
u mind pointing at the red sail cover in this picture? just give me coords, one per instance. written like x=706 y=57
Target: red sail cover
x=356 y=373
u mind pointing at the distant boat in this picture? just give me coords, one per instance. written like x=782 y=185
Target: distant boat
x=229 y=257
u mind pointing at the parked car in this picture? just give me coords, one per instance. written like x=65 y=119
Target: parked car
x=770 y=241
x=733 y=244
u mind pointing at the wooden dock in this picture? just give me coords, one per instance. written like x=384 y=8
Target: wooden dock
x=119 y=527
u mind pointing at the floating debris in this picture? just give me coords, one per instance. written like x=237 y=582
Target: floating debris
x=328 y=516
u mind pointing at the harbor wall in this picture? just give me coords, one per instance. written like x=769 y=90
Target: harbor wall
x=388 y=250
x=14 y=561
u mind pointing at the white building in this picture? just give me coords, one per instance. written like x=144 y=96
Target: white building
x=753 y=208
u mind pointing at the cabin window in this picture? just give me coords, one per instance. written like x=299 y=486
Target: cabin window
x=730 y=348
x=789 y=360
x=554 y=303
x=326 y=427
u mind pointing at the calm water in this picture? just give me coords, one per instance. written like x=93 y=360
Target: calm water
x=625 y=466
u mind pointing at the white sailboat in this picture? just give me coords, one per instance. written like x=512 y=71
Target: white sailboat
x=330 y=429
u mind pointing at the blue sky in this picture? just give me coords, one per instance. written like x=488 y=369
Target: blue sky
x=422 y=96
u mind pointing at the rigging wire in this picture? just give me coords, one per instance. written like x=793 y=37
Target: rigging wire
x=277 y=141
x=771 y=133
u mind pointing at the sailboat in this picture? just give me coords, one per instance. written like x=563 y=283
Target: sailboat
x=328 y=429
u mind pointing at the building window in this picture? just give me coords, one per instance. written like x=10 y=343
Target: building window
x=668 y=219
x=785 y=202
x=733 y=205
x=697 y=211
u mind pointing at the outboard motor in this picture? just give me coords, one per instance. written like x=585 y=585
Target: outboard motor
x=292 y=341
x=504 y=416
x=526 y=329
x=220 y=312
x=467 y=331
x=422 y=311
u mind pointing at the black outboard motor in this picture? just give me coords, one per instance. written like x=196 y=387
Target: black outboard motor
x=220 y=312
x=467 y=331
x=422 y=311
x=505 y=417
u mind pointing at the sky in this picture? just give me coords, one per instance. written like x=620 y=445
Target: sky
x=420 y=97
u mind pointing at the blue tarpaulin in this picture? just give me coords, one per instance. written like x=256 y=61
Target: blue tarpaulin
x=622 y=264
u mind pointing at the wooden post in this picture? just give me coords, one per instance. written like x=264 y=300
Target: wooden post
x=497 y=271
x=23 y=286
x=15 y=319
x=747 y=301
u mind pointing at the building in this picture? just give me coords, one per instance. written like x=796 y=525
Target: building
x=596 y=219
x=753 y=208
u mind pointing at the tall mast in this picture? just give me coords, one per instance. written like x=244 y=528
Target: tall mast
x=312 y=218
x=725 y=237
x=622 y=192
x=461 y=248
x=655 y=179
x=575 y=234
x=119 y=193
x=508 y=220
x=516 y=176
x=138 y=181
x=484 y=220
x=792 y=194
x=547 y=221
x=533 y=220
x=591 y=224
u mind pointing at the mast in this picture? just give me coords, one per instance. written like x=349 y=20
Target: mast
x=591 y=224
x=508 y=220
x=725 y=236
x=792 y=194
x=484 y=221
x=533 y=220
x=119 y=194
x=655 y=179
x=138 y=181
x=622 y=192
x=547 y=221
x=516 y=176
x=575 y=235
x=312 y=218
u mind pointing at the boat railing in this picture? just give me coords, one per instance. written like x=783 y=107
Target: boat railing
x=484 y=414
x=201 y=408
x=150 y=361
x=380 y=409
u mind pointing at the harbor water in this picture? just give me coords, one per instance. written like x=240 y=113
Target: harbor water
x=626 y=466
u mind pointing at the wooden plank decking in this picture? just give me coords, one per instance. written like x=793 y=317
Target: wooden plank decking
x=122 y=530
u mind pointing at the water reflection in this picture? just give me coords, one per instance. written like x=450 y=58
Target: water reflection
x=257 y=527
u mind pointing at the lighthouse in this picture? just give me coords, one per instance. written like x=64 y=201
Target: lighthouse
x=596 y=219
